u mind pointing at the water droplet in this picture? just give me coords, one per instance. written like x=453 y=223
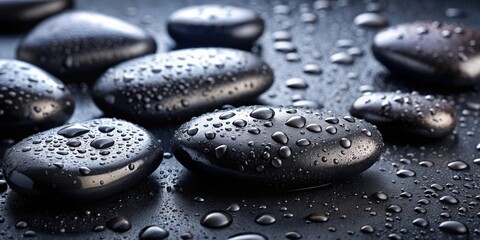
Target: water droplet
x=263 y=113
x=106 y=128
x=153 y=233
x=453 y=227
x=367 y=229
x=119 y=224
x=404 y=173
x=420 y=222
x=73 y=131
x=370 y=20
x=458 y=165
x=102 y=143
x=280 y=137
x=345 y=143
x=265 y=219
x=296 y=122
x=216 y=219
x=220 y=151
x=247 y=236
x=448 y=200
x=314 y=128
x=341 y=58
x=317 y=217
x=84 y=171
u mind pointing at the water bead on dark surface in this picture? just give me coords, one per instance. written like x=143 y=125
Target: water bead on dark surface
x=90 y=169
x=265 y=219
x=181 y=84
x=153 y=233
x=81 y=45
x=119 y=224
x=247 y=236
x=216 y=219
x=290 y=146
x=370 y=20
x=458 y=165
x=453 y=227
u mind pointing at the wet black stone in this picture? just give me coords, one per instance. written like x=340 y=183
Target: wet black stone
x=99 y=167
x=81 y=45
x=18 y=15
x=215 y=26
x=153 y=233
x=411 y=114
x=180 y=84
x=31 y=99
x=431 y=52
x=289 y=148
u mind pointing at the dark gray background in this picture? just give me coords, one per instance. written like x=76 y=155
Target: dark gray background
x=167 y=198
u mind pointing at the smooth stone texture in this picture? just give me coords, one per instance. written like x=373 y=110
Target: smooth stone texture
x=215 y=26
x=431 y=52
x=176 y=85
x=31 y=99
x=81 y=45
x=406 y=113
x=43 y=165
x=255 y=154
x=18 y=15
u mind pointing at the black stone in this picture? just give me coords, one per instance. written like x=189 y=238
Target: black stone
x=19 y=15
x=280 y=156
x=177 y=85
x=431 y=52
x=406 y=113
x=215 y=26
x=31 y=99
x=82 y=45
x=52 y=169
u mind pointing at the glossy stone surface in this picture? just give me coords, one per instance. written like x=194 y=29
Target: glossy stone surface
x=176 y=85
x=215 y=26
x=31 y=99
x=440 y=53
x=282 y=148
x=407 y=113
x=81 y=45
x=16 y=15
x=47 y=165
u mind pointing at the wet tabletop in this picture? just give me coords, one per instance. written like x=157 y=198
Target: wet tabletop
x=412 y=179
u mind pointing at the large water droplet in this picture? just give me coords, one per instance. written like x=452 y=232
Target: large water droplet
x=73 y=131
x=216 y=219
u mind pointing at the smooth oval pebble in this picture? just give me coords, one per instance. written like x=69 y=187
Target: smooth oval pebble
x=309 y=156
x=431 y=52
x=406 y=113
x=81 y=45
x=180 y=84
x=52 y=169
x=215 y=26
x=31 y=99
x=18 y=15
